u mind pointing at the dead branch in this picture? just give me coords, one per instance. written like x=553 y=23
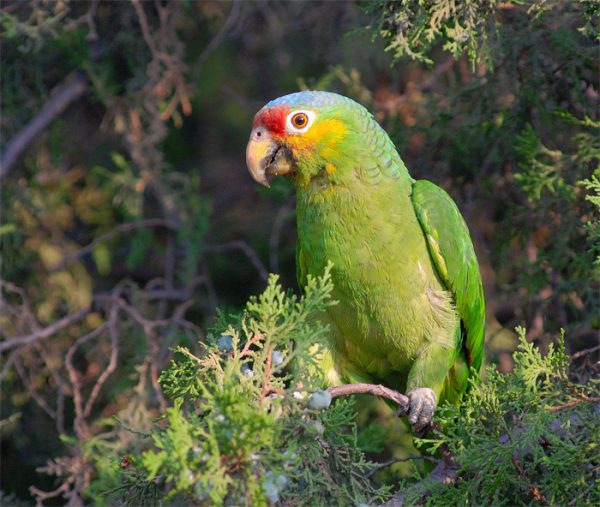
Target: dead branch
x=73 y=87
x=146 y=30
x=446 y=469
x=584 y=352
x=404 y=459
x=87 y=19
x=110 y=367
x=246 y=250
x=375 y=390
x=75 y=475
x=63 y=388
x=8 y=364
x=533 y=489
x=220 y=36
x=389 y=106
x=32 y=391
x=254 y=339
x=265 y=387
x=24 y=312
x=574 y=403
x=119 y=229
x=21 y=341
x=79 y=423
x=444 y=473
x=63 y=489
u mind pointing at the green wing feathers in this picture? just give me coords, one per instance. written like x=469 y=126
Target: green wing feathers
x=452 y=252
x=301 y=274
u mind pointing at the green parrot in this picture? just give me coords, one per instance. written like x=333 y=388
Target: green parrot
x=410 y=312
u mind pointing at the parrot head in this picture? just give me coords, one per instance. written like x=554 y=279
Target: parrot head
x=306 y=135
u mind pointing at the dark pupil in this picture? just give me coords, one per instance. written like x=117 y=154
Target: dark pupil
x=300 y=120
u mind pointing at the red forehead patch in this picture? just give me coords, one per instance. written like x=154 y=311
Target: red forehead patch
x=272 y=118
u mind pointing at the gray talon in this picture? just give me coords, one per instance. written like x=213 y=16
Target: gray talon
x=423 y=402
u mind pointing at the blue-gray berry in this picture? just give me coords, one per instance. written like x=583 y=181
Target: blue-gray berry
x=319 y=400
x=277 y=357
x=225 y=343
x=289 y=457
x=247 y=371
x=271 y=491
x=318 y=426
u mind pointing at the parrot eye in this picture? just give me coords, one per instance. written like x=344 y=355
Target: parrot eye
x=300 y=121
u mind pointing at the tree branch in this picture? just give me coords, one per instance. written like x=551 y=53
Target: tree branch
x=446 y=469
x=445 y=472
x=424 y=86
x=404 y=459
x=220 y=36
x=533 y=489
x=73 y=87
x=374 y=389
x=245 y=248
x=19 y=341
x=584 y=352
x=126 y=227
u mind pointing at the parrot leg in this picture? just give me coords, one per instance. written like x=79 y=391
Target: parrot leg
x=423 y=402
x=426 y=381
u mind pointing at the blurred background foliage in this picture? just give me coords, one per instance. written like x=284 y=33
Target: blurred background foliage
x=130 y=218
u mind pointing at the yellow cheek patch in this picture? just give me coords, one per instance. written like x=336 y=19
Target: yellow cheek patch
x=329 y=131
x=330 y=168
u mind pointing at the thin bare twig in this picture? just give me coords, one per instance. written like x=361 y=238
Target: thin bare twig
x=79 y=424
x=112 y=363
x=31 y=390
x=25 y=308
x=247 y=250
x=20 y=341
x=73 y=87
x=145 y=29
x=87 y=19
x=63 y=489
x=174 y=294
x=267 y=379
x=9 y=363
x=426 y=85
x=254 y=339
x=152 y=338
x=375 y=390
x=445 y=472
x=583 y=493
x=584 y=352
x=533 y=489
x=119 y=229
x=220 y=36
x=574 y=403
x=446 y=469
x=404 y=459
x=61 y=384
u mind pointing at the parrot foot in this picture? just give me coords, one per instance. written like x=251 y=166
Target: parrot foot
x=423 y=402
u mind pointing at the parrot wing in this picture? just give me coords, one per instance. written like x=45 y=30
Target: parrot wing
x=451 y=250
x=301 y=272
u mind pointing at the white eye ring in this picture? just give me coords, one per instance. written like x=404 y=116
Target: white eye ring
x=291 y=128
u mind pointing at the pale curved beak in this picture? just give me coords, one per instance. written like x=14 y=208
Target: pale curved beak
x=267 y=158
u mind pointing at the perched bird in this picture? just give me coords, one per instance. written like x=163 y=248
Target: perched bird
x=410 y=312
